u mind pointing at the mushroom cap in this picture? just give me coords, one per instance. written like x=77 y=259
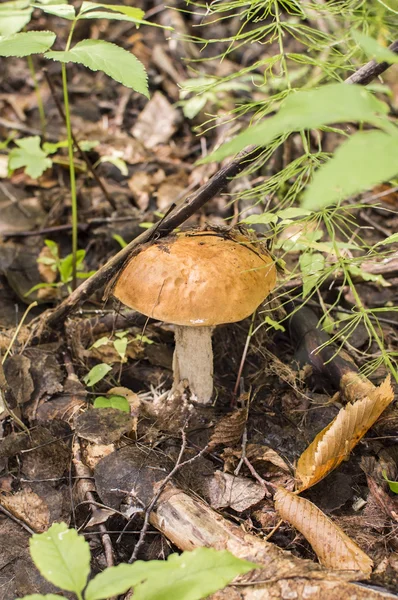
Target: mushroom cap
x=198 y=279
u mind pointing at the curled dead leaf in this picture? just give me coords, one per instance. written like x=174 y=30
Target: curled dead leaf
x=334 y=443
x=332 y=546
x=229 y=429
x=27 y=506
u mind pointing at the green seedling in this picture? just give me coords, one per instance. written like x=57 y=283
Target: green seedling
x=63 y=558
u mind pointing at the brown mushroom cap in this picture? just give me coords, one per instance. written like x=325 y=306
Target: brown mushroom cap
x=197 y=279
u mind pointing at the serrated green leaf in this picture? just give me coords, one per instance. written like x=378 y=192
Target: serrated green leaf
x=309 y=109
x=113 y=60
x=29 y=155
x=193 y=575
x=62 y=557
x=117 y=580
x=364 y=160
x=96 y=374
x=26 y=43
x=65 y=11
x=373 y=49
x=118 y=402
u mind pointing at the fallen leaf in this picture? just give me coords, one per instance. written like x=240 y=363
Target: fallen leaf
x=334 y=549
x=335 y=442
x=27 y=506
x=229 y=429
x=238 y=493
x=157 y=122
x=103 y=425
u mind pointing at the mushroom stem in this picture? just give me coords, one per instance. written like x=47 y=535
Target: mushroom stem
x=193 y=361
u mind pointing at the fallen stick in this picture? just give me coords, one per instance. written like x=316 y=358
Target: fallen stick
x=190 y=523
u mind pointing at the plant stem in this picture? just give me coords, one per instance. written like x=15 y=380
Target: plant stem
x=40 y=106
x=71 y=162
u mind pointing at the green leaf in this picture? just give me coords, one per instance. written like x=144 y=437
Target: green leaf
x=264 y=219
x=65 y=11
x=293 y=212
x=334 y=103
x=193 y=575
x=96 y=374
x=62 y=557
x=41 y=597
x=274 y=324
x=189 y=576
x=373 y=49
x=117 y=580
x=311 y=264
x=118 y=402
x=65 y=267
x=118 y=238
x=121 y=347
x=364 y=160
x=119 y=163
x=393 y=485
x=116 y=62
x=128 y=11
x=194 y=105
x=14 y=16
x=26 y=43
x=366 y=276
x=29 y=155
x=391 y=239
x=100 y=342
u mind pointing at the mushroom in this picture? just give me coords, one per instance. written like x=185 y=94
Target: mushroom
x=197 y=280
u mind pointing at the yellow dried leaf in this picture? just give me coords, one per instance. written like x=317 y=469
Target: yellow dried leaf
x=27 y=506
x=334 y=549
x=334 y=443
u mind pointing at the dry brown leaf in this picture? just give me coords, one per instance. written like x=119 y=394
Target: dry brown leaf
x=133 y=400
x=47 y=273
x=238 y=493
x=27 y=506
x=334 y=443
x=334 y=549
x=229 y=429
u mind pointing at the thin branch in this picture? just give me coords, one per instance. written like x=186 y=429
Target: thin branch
x=372 y=69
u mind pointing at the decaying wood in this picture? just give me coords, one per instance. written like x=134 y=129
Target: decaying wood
x=190 y=523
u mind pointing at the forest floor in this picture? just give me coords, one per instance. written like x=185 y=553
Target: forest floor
x=273 y=395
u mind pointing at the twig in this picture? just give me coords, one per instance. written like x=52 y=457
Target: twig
x=14 y=518
x=87 y=492
x=192 y=204
x=178 y=465
x=81 y=152
x=372 y=69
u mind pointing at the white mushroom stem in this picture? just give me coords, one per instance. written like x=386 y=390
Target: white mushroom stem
x=193 y=361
